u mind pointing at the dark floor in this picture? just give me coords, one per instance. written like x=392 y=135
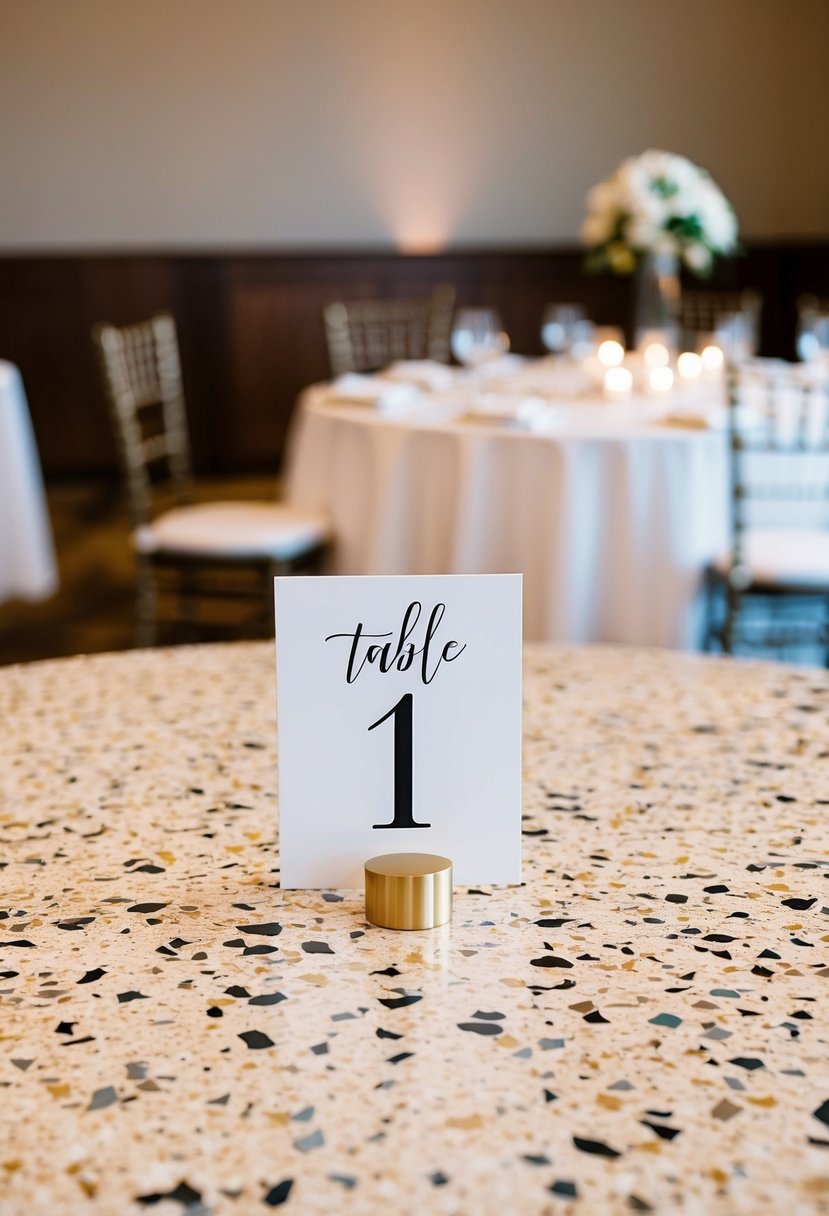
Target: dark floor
x=93 y=609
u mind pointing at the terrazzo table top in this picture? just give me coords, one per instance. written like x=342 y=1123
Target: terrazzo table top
x=642 y=1025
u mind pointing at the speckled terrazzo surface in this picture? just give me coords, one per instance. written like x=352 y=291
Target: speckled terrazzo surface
x=641 y=1026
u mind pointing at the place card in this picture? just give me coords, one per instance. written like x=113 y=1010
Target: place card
x=399 y=724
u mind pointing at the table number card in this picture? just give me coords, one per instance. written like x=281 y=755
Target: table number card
x=399 y=724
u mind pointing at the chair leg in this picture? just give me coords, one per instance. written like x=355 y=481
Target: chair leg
x=187 y=626
x=730 y=618
x=709 y=631
x=146 y=605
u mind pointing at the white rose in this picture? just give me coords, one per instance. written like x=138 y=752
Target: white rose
x=602 y=198
x=697 y=257
x=598 y=228
x=641 y=232
x=718 y=220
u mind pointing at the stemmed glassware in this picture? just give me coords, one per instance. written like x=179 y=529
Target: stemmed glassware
x=478 y=337
x=566 y=330
x=736 y=335
x=813 y=336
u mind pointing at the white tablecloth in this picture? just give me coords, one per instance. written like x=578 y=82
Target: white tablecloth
x=610 y=514
x=28 y=569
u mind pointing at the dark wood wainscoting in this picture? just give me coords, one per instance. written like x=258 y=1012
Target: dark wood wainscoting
x=251 y=331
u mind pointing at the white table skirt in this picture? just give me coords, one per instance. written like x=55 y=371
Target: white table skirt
x=611 y=525
x=28 y=569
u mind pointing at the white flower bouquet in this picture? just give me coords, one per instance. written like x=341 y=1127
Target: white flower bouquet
x=658 y=203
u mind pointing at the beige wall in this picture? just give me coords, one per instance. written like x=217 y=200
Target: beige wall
x=413 y=123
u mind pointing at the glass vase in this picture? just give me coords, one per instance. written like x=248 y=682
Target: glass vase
x=657 y=300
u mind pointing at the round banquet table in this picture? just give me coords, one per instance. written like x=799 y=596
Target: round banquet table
x=28 y=568
x=641 y=1025
x=611 y=515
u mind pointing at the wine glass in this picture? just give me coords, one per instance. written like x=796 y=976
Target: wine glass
x=561 y=326
x=478 y=336
x=735 y=334
x=813 y=336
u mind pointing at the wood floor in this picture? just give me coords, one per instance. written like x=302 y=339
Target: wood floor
x=93 y=609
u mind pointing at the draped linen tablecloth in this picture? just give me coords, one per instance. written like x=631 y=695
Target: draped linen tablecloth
x=640 y=1026
x=610 y=514
x=28 y=569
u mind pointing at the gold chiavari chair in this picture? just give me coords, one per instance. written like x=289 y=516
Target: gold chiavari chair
x=194 y=555
x=702 y=312
x=773 y=585
x=365 y=335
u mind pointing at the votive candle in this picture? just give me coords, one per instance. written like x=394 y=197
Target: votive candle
x=618 y=381
x=689 y=365
x=611 y=353
x=712 y=358
x=660 y=379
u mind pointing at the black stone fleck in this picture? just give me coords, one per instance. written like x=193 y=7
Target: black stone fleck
x=256 y=1040
x=663 y=1132
x=399 y=1002
x=597 y=1147
x=278 y=1194
x=183 y=1194
x=92 y=976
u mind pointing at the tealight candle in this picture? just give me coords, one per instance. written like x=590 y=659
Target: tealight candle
x=618 y=381
x=656 y=354
x=611 y=353
x=660 y=379
x=712 y=358
x=689 y=365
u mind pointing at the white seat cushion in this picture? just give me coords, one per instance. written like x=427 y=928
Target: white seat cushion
x=233 y=530
x=794 y=557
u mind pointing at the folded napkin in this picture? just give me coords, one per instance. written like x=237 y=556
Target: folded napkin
x=426 y=374
x=373 y=392
x=688 y=420
x=548 y=379
x=748 y=418
x=499 y=409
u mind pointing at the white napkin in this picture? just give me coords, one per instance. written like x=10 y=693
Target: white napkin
x=749 y=419
x=353 y=388
x=500 y=409
x=426 y=374
x=701 y=418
